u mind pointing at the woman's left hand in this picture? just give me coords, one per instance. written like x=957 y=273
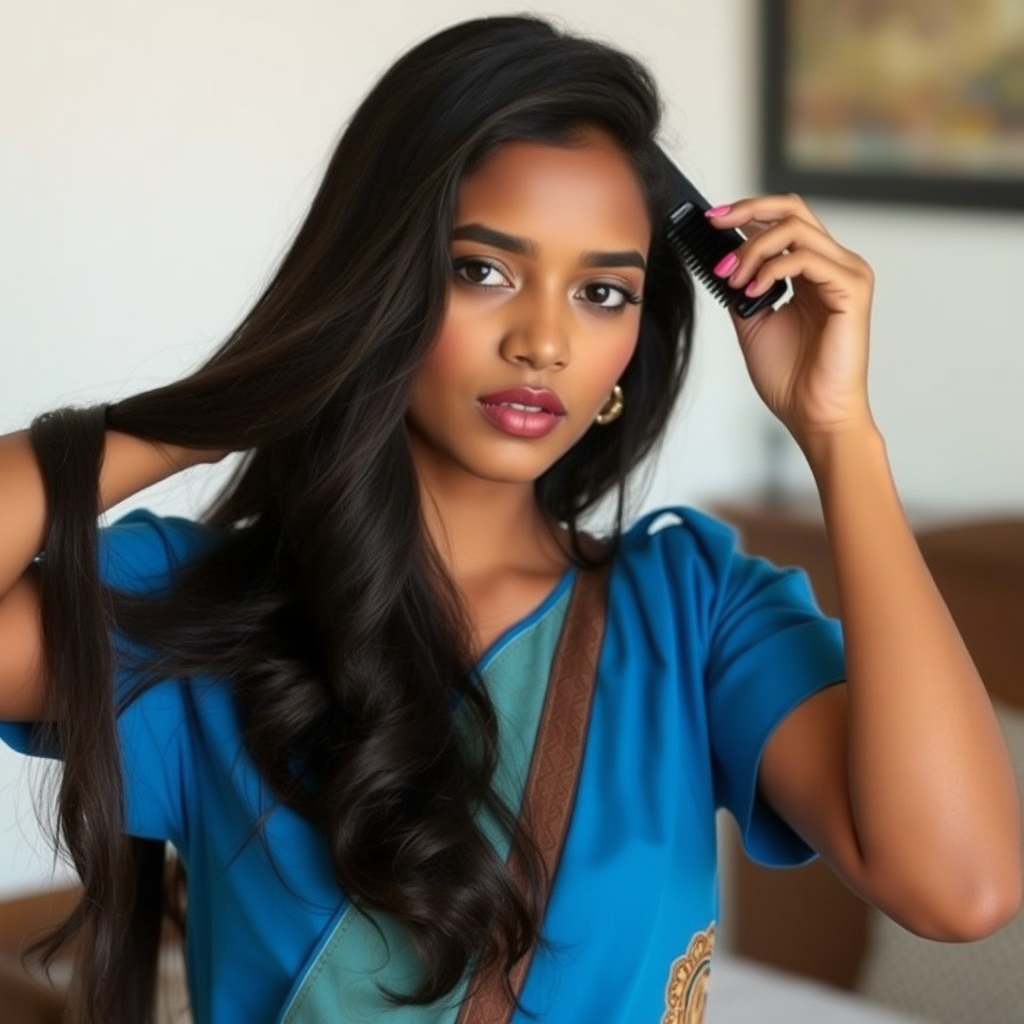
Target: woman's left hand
x=808 y=360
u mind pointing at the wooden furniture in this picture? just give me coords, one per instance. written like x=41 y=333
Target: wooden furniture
x=27 y=997
x=805 y=920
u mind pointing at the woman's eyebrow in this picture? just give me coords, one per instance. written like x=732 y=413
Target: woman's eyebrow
x=524 y=247
x=491 y=236
x=623 y=258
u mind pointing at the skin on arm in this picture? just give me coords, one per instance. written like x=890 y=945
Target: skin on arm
x=130 y=464
x=916 y=805
x=900 y=778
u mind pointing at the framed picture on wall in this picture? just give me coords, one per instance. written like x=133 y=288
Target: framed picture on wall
x=918 y=101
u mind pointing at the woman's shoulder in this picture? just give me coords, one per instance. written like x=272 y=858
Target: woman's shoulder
x=684 y=562
x=675 y=560
x=684 y=558
x=142 y=549
x=679 y=535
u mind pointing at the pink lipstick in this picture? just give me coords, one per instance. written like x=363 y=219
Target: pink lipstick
x=523 y=412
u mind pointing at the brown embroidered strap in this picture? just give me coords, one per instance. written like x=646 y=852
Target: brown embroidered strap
x=554 y=770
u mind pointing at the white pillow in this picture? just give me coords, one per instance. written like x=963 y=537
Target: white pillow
x=951 y=983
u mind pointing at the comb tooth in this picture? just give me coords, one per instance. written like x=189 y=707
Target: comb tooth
x=699 y=259
x=700 y=252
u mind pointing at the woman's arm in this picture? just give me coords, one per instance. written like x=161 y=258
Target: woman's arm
x=900 y=778
x=130 y=464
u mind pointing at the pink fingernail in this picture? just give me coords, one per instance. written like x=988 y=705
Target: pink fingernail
x=751 y=288
x=717 y=211
x=726 y=264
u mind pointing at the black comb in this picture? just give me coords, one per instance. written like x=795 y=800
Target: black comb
x=701 y=246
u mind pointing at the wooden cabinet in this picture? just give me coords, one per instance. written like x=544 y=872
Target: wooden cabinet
x=27 y=997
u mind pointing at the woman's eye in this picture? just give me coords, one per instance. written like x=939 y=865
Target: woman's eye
x=607 y=296
x=481 y=273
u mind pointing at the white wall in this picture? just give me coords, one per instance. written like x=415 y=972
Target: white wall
x=155 y=157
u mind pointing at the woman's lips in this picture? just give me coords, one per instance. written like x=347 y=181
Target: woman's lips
x=523 y=412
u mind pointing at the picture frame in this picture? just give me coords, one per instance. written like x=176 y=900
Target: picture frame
x=894 y=101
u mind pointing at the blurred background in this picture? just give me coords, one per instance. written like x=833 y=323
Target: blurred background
x=156 y=158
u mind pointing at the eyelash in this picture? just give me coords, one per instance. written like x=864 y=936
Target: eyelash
x=629 y=298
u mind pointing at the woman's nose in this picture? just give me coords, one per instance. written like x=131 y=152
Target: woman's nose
x=538 y=336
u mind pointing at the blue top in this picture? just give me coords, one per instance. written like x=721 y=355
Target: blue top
x=706 y=650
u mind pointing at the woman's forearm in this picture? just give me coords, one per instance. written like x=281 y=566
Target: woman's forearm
x=130 y=464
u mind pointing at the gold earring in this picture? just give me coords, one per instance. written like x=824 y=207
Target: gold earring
x=612 y=409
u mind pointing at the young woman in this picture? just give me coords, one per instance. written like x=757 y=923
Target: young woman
x=326 y=692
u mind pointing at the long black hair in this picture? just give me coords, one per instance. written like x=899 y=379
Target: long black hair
x=325 y=604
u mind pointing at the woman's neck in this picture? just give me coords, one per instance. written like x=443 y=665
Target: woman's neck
x=481 y=528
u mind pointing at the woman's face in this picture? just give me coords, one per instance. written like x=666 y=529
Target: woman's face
x=548 y=251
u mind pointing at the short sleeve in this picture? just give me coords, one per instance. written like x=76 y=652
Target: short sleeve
x=769 y=649
x=139 y=553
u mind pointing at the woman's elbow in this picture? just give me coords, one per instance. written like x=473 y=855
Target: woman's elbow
x=975 y=914
x=993 y=909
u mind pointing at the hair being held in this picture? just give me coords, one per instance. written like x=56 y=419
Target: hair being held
x=326 y=605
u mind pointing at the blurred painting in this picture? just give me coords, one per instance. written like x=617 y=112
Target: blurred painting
x=912 y=100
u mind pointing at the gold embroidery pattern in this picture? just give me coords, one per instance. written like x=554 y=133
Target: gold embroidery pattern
x=686 y=992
